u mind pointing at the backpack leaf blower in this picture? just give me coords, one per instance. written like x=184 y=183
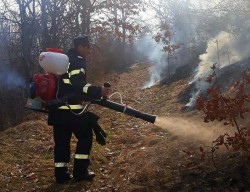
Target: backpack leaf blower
x=43 y=88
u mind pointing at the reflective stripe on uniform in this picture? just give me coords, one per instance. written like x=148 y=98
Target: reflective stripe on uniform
x=86 y=87
x=61 y=164
x=71 y=107
x=68 y=68
x=75 y=72
x=66 y=81
x=81 y=156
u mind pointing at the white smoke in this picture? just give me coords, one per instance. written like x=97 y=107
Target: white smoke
x=162 y=64
x=11 y=80
x=222 y=50
x=157 y=58
x=226 y=54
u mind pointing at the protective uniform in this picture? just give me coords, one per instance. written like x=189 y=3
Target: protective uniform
x=65 y=122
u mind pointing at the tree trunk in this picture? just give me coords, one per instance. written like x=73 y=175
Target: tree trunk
x=85 y=16
x=123 y=46
x=54 y=28
x=25 y=39
x=44 y=20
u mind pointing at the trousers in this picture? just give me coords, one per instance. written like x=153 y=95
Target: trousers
x=62 y=137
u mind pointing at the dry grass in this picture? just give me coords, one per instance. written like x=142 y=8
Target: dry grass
x=138 y=156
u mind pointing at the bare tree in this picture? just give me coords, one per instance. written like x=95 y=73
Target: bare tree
x=38 y=24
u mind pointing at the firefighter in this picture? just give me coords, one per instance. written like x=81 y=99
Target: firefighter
x=68 y=119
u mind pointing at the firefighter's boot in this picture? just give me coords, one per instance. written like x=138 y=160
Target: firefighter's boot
x=81 y=172
x=62 y=175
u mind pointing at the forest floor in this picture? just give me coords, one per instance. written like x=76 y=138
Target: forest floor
x=139 y=156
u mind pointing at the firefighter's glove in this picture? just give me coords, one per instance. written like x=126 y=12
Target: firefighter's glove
x=100 y=135
x=91 y=120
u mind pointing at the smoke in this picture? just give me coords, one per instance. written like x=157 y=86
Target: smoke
x=179 y=20
x=11 y=80
x=158 y=59
x=190 y=128
x=226 y=54
x=222 y=50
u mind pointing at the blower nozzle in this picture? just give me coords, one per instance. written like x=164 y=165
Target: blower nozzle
x=125 y=109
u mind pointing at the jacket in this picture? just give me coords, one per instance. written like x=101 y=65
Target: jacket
x=74 y=81
x=73 y=86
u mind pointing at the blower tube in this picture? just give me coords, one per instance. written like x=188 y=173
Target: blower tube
x=125 y=109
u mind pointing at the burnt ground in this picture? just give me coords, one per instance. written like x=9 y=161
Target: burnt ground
x=138 y=157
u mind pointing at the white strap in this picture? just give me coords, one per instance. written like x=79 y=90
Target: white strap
x=61 y=164
x=71 y=107
x=86 y=87
x=81 y=156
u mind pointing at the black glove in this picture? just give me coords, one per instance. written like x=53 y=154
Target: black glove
x=91 y=120
x=99 y=134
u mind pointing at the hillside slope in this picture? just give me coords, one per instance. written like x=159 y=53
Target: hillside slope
x=139 y=156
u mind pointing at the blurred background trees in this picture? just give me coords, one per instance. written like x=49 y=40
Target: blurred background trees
x=117 y=27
